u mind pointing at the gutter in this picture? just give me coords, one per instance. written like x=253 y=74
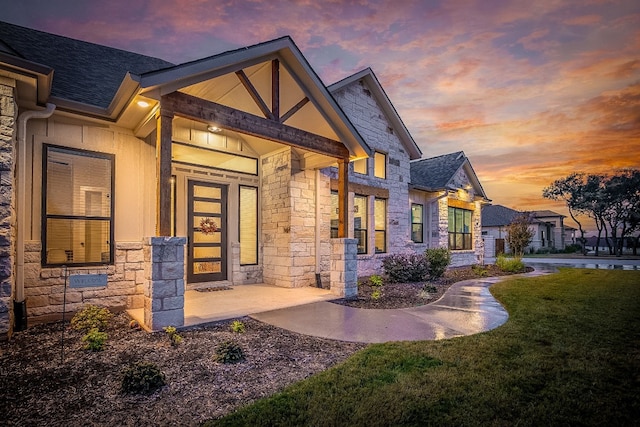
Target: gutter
x=20 y=312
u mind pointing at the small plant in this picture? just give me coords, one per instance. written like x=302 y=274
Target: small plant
x=376 y=294
x=94 y=340
x=237 y=327
x=172 y=333
x=438 y=260
x=430 y=289
x=142 y=378
x=228 y=352
x=91 y=317
x=403 y=268
x=375 y=280
x=511 y=265
x=480 y=270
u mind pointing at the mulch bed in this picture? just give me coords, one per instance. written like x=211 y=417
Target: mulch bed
x=39 y=387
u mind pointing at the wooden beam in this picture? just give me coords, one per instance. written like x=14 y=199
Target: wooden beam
x=164 y=135
x=343 y=197
x=275 y=89
x=240 y=121
x=254 y=94
x=294 y=109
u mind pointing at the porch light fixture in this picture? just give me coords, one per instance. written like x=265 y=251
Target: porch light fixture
x=214 y=129
x=143 y=104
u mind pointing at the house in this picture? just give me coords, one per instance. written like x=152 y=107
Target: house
x=446 y=201
x=547 y=226
x=127 y=180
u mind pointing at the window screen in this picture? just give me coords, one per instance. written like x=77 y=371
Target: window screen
x=77 y=204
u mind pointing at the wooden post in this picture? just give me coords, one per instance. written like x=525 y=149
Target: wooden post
x=343 y=196
x=275 y=89
x=164 y=134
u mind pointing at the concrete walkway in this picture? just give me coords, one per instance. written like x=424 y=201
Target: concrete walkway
x=466 y=308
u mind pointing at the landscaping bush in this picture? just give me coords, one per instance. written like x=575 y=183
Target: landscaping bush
x=142 y=378
x=438 y=259
x=512 y=265
x=172 y=334
x=228 y=352
x=94 y=340
x=403 y=268
x=237 y=327
x=91 y=317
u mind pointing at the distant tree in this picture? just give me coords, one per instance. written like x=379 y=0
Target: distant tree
x=571 y=189
x=519 y=233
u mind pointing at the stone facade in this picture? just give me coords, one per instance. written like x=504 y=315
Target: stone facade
x=289 y=219
x=164 y=282
x=365 y=113
x=344 y=275
x=8 y=115
x=44 y=287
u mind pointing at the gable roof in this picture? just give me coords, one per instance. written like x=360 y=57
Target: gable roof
x=436 y=173
x=368 y=76
x=497 y=215
x=85 y=72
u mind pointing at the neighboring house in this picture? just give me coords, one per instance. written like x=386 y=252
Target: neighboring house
x=547 y=227
x=446 y=207
x=238 y=168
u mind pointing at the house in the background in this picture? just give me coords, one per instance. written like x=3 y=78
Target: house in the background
x=548 y=229
x=446 y=200
x=141 y=179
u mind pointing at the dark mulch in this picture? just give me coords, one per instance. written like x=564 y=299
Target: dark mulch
x=40 y=388
x=403 y=295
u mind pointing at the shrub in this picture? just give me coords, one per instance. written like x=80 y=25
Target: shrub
x=91 y=317
x=172 y=333
x=237 y=327
x=142 y=377
x=512 y=265
x=480 y=270
x=403 y=268
x=94 y=340
x=375 y=280
x=438 y=260
x=228 y=352
x=376 y=294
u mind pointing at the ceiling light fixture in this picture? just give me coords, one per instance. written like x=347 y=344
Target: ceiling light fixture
x=213 y=129
x=143 y=104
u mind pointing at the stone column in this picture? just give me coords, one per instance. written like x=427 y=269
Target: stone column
x=8 y=112
x=344 y=267
x=164 y=288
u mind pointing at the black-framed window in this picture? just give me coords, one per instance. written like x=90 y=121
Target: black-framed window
x=248 y=223
x=460 y=236
x=380 y=218
x=416 y=223
x=360 y=222
x=77 y=206
x=380 y=165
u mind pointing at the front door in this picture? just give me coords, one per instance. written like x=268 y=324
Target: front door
x=207 y=225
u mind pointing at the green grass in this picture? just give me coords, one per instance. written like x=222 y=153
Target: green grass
x=569 y=355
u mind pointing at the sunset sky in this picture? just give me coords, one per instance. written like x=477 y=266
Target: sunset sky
x=531 y=90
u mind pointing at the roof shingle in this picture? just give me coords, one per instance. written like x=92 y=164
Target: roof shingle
x=435 y=173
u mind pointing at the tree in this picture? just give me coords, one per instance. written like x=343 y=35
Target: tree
x=571 y=189
x=519 y=233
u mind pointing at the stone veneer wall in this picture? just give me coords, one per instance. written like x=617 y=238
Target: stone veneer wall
x=8 y=134
x=44 y=287
x=288 y=221
x=370 y=120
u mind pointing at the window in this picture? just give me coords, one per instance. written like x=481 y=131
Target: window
x=360 y=166
x=77 y=206
x=459 y=229
x=334 y=214
x=380 y=216
x=248 y=225
x=360 y=222
x=416 y=223
x=380 y=161
x=192 y=155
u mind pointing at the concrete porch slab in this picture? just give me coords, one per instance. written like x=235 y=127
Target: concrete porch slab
x=241 y=300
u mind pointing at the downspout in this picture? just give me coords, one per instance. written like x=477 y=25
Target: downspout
x=20 y=312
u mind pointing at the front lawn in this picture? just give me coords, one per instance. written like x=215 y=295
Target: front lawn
x=569 y=355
